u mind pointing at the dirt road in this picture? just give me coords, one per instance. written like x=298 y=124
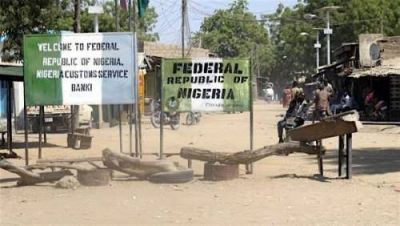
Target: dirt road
x=281 y=191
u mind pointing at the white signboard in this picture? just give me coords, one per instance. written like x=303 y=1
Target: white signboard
x=74 y=69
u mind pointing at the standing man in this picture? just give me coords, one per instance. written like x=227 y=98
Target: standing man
x=287 y=96
x=297 y=112
x=321 y=103
x=296 y=90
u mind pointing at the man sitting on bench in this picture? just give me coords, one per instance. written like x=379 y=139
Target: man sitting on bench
x=297 y=112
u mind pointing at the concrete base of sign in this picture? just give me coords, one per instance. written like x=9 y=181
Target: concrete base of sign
x=218 y=172
x=97 y=177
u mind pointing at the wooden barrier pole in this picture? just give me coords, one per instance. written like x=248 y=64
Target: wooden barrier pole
x=349 y=157
x=320 y=158
x=341 y=155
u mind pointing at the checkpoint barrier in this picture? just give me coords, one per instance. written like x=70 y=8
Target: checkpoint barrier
x=342 y=125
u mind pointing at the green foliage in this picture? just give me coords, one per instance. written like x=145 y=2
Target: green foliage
x=358 y=16
x=293 y=53
x=232 y=32
x=288 y=54
x=25 y=17
x=20 y=17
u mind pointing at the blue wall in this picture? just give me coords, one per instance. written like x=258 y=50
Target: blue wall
x=3 y=98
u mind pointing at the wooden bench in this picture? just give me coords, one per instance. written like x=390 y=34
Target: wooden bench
x=341 y=125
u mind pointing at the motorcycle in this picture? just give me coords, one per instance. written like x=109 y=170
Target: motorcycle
x=193 y=118
x=287 y=124
x=172 y=118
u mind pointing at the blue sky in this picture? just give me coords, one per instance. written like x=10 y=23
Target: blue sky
x=169 y=11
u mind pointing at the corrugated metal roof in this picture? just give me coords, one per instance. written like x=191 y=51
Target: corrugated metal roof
x=381 y=71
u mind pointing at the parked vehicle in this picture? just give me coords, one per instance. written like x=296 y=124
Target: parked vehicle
x=287 y=124
x=57 y=118
x=171 y=118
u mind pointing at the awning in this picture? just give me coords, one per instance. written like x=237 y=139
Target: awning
x=381 y=71
x=11 y=72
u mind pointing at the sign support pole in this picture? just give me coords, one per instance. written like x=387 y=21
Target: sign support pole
x=138 y=151
x=9 y=117
x=130 y=129
x=25 y=123
x=161 y=121
x=26 y=133
x=40 y=131
x=44 y=127
x=249 y=167
x=120 y=127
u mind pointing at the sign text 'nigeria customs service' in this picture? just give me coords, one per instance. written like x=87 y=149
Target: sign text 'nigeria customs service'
x=90 y=68
x=210 y=84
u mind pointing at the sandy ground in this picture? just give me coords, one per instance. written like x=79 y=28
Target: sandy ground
x=281 y=191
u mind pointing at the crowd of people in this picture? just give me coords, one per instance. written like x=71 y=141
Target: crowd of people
x=301 y=109
x=326 y=101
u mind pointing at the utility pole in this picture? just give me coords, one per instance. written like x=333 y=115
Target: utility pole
x=134 y=15
x=96 y=10
x=183 y=27
x=254 y=83
x=138 y=117
x=77 y=16
x=77 y=29
x=328 y=32
x=116 y=15
x=317 y=46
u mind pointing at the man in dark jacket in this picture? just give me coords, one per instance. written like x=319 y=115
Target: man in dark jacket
x=297 y=113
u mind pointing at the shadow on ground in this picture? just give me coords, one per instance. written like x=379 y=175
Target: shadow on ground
x=315 y=177
x=34 y=144
x=368 y=160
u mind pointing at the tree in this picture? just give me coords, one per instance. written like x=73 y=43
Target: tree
x=358 y=16
x=292 y=53
x=25 y=17
x=42 y=16
x=232 y=32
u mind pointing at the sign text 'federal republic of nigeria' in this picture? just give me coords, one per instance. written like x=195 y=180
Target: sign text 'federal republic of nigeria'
x=90 y=68
x=210 y=84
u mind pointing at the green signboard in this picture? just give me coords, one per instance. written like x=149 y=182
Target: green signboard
x=210 y=84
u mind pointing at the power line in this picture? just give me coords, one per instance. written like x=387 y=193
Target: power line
x=168 y=24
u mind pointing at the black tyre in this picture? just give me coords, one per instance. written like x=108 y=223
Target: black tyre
x=156 y=119
x=174 y=177
x=190 y=119
x=175 y=121
x=198 y=116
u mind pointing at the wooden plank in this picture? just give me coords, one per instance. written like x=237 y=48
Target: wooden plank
x=72 y=160
x=343 y=114
x=324 y=129
x=246 y=157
